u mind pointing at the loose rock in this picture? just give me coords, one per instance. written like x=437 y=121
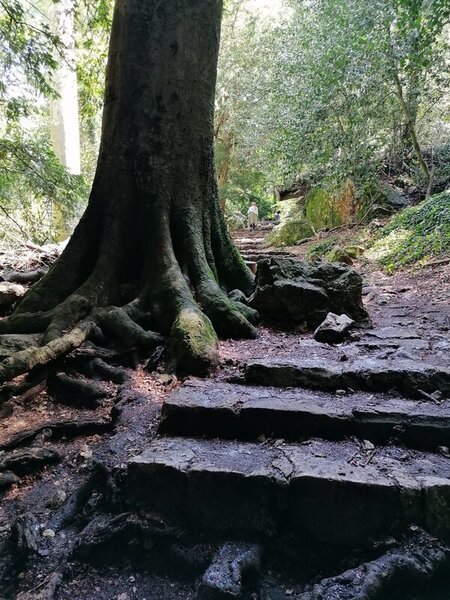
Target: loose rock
x=223 y=578
x=334 y=329
x=10 y=293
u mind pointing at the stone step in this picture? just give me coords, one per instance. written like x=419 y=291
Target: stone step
x=255 y=255
x=230 y=411
x=408 y=377
x=335 y=491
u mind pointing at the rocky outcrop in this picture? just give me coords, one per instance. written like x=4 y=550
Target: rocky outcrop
x=303 y=292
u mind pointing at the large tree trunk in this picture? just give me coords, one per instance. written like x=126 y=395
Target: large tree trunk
x=153 y=238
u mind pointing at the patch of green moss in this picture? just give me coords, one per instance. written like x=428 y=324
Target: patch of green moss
x=289 y=233
x=321 y=209
x=338 y=254
x=320 y=249
x=193 y=343
x=415 y=235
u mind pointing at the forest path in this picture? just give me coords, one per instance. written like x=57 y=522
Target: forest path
x=291 y=448
x=344 y=446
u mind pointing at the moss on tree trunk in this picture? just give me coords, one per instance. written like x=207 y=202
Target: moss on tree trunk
x=152 y=240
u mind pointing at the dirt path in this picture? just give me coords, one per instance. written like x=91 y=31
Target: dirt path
x=337 y=467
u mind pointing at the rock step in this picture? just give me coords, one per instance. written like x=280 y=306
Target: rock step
x=261 y=255
x=334 y=491
x=407 y=377
x=243 y=412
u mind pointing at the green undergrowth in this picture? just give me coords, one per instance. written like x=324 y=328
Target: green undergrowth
x=321 y=249
x=290 y=233
x=415 y=235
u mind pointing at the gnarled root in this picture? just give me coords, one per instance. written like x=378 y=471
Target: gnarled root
x=76 y=392
x=23 y=361
x=182 y=292
x=412 y=565
x=116 y=322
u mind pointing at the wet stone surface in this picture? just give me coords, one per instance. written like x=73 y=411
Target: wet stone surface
x=248 y=412
x=337 y=491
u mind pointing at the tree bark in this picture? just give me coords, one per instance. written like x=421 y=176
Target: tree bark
x=153 y=239
x=410 y=124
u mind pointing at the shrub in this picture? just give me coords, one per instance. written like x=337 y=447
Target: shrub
x=415 y=234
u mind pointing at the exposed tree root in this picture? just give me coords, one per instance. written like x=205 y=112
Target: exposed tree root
x=97 y=368
x=24 y=276
x=76 y=392
x=23 y=462
x=69 y=428
x=25 y=360
x=149 y=541
x=193 y=342
x=24 y=537
x=81 y=357
x=45 y=590
x=409 y=567
x=6 y=410
x=67 y=512
x=117 y=323
x=24 y=391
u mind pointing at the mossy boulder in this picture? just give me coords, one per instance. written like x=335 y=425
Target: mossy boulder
x=338 y=255
x=354 y=251
x=290 y=232
x=325 y=209
x=320 y=209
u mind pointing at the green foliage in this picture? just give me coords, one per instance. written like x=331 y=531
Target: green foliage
x=35 y=190
x=27 y=57
x=93 y=24
x=321 y=248
x=245 y=186
x=414 y=235
x=315 y=91
x=293 y=227
x=38 y=197
x=237 y=136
